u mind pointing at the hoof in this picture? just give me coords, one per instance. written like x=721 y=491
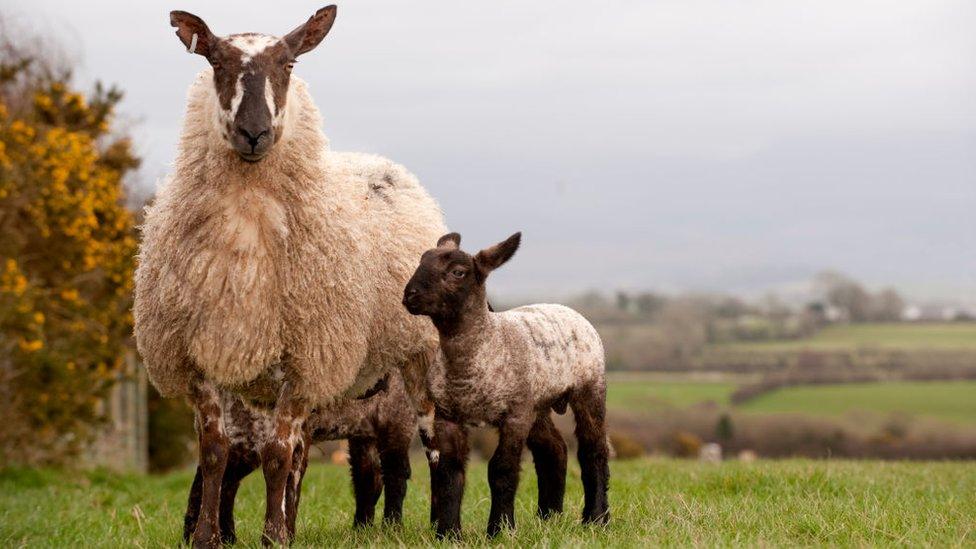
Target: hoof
x=601 y=518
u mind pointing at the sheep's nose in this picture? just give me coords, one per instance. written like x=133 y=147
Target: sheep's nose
x=253 y=136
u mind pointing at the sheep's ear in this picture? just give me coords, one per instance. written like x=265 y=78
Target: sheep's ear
x=307 y=36
x=450 y=240
x=495 y=256
x=193 y=32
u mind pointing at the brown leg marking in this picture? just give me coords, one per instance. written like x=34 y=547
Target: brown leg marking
x=293 y=492
x=277 y=458
x=214 y=447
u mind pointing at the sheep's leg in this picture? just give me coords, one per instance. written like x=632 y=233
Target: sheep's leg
x=214 y=447
x=293 y=493
x=193 y=506
x=277 y=458
x=367 y=482
x=503 y=473
x=395 y=462
x=238 y=467
x=447 y=476
x=425 y=426
x=589 y=407
x=549 y=455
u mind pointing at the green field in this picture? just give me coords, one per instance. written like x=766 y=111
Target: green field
x=635 y=392
x=946 y=400
x=653 y=502
x=951 y=400
x=906 y=336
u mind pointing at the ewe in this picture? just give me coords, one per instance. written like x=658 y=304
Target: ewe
x=379 y=429
x=270 y=266
x=509 y=370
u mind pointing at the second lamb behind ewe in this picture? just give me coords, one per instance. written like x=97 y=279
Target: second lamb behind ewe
x=509 y=370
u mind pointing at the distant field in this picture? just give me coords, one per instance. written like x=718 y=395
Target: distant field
x=947 y=400
x=653 y=503
x=908 y=336
x=951 y=400
x=635 y=392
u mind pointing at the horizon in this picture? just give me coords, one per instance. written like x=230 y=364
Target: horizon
x=671 y=148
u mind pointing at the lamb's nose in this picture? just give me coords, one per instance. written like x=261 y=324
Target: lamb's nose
x=409 y=294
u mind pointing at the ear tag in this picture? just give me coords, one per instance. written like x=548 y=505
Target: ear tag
x=193 y=44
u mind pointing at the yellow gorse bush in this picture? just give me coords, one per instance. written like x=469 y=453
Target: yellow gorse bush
x=67 y=255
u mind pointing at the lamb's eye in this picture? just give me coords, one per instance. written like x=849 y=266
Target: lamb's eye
x=290 y=65
x=458 y=273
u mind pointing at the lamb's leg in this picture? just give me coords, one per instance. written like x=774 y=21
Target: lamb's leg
x=193 y=506
x=549 y=455
x=366 y=480
x=277 y=457
x=447 y=476
x=214 y=447
x=394 y=447
x=503 y=473
x=293 y=493
x=238 y=467
x=589 y=407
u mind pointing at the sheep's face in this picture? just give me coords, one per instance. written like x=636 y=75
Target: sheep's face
x=251 y=73
x=448 y=279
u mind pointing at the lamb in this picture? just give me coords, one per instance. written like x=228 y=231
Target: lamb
x=379 y=429
x=258 y=267
x=509 y=370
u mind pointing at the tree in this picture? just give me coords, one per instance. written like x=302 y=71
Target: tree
x=66 y=256
x=846 y=294
x=887 y=306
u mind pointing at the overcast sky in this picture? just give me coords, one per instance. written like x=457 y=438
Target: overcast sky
x=671 y=145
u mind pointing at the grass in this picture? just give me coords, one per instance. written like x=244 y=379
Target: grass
x=654 y=502
x=893 y=336
x=947 y=400
x=645 y=392
x=951 y=400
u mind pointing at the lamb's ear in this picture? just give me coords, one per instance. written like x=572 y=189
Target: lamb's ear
x=450 y=240
x=193 y=32
x=307 y=36
x=495 y=256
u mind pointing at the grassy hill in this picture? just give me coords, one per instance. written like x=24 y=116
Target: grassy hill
x=946 y=400
x=653 y=502
x=893 y=336
x=636 y=391
x=949 y=400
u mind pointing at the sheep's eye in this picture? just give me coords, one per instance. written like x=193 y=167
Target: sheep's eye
x=216 y=66
x=290 y=65
x=458 y=273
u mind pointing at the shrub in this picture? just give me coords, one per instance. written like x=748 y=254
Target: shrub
x=66 y=257
x=624 y=446
x=685 y=444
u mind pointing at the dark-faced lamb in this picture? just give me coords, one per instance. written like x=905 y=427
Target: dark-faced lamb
x=379 y=430
x=509 y=369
